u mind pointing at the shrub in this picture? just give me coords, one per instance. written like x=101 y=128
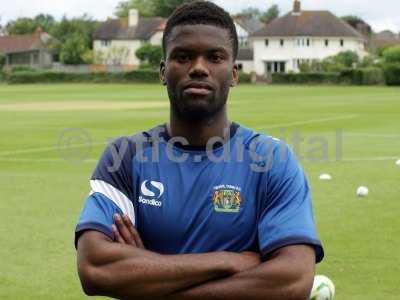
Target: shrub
x=150 y=55
x=2 y=60
x=308 y=78
x=392 y=73
x=23 y=69
x=144 y=76
x=362 y=76
x=392 y=54
x=244 y=77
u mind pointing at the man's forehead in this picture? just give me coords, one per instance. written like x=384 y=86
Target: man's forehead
x=182 y=34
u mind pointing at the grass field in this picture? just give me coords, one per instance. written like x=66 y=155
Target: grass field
x=43 y=183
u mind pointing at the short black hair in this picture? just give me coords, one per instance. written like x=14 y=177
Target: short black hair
x=201 y=12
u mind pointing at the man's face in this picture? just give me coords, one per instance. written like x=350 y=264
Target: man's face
x=199 y=70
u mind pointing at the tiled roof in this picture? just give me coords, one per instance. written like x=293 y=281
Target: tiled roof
x=21 y=43
x=308 y=23
x=118 y=29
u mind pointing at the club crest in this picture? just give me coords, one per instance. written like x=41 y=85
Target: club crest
x=227 y=199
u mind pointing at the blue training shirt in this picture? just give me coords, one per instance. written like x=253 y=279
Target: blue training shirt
x=248 y=193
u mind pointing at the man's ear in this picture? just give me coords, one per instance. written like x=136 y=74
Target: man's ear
x=162 y=73
x=235 y=75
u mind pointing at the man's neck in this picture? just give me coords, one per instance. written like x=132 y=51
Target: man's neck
x=199 y=133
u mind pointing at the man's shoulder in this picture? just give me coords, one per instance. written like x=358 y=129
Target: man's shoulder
x=256 y=140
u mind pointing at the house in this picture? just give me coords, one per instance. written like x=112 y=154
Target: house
x=245 y=26
x=115 y=41
x=302 y=36
x=33 y=50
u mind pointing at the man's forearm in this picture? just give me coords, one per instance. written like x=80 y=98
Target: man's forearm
x=286 y=277
x=121 y=271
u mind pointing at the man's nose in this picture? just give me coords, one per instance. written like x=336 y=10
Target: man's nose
x=199 y=68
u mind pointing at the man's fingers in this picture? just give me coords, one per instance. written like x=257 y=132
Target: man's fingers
x=124 y=231
x=133 y=231
x=117 y=236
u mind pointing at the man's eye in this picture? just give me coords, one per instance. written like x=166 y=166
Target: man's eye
x=216 y=58
x=182 y=57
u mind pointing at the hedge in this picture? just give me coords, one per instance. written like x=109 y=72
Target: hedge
x=365 y=76
x=142 y=76
x=362 y=76
x=392 y=73
x=311 y=78
x=244 y=78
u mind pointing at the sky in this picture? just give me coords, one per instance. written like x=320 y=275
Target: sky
x=381 y=15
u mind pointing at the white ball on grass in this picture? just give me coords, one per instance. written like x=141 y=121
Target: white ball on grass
x=362 y=191
x=325 y=177
x=323 y=288
x=398 y=163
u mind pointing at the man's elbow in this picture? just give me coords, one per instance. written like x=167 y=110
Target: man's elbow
x=90 y=279
x=301 y=289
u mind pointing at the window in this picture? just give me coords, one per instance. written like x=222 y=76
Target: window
x=341 y=43
x=282 y=42
x=240 y=67
x=105 y=43
x=267 y=43
x=326 y=43
x=308 y=42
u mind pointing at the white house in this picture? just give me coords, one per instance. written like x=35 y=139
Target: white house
x=302 y=36
x=115 y=42
x=245 y=26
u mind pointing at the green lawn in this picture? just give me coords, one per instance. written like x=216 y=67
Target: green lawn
x=42 y=187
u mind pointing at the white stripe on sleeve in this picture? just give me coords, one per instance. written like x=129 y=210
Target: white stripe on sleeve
x=119 y=198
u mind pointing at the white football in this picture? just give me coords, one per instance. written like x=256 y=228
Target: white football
x=323 y=288
x=362 y=191
x=398 y=162
x=325 y=177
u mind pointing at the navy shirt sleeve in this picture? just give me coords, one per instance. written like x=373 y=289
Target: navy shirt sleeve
x=287 y=214
x=111 y=188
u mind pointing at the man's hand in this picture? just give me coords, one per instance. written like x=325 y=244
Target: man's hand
x=125 y=232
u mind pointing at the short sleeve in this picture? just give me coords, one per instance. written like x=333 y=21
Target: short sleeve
x=111 y=190
x=287 y=217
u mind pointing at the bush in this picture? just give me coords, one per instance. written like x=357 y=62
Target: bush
x=23 y=69
x=392 y=73
x=363 y=76
x=143 y=76
x=244 y=77
x=308 y=78
x=150 y=55
x=2 y=60
x=392 y=54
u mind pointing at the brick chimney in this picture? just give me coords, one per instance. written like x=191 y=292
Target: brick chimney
x=297 y=7
x=133 y=17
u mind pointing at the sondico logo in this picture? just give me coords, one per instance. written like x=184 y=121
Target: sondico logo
x=151 y=191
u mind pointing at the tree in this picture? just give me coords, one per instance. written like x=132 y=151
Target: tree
x=250 y=12
x=148 y=8
x=271 y=14
x=21 y=26
x=28 y=25
x=145 y=8
x=150 y=55
x=358 y=24
x=73 y=49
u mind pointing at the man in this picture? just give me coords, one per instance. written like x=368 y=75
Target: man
x=200 y=208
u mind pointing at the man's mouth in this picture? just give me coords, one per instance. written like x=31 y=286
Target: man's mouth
x=200 y=89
